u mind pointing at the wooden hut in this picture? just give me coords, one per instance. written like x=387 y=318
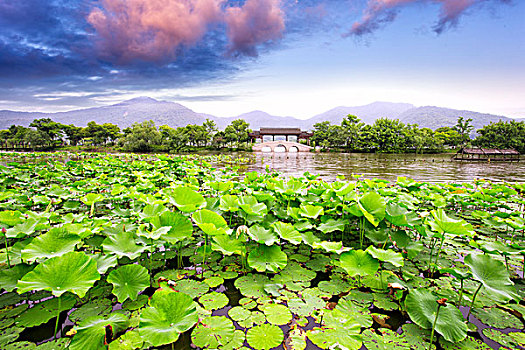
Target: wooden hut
x=487 y=155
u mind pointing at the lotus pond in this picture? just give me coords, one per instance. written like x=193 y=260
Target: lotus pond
x=179 y=252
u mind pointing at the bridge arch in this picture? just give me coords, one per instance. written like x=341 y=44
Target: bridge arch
x=281 y=147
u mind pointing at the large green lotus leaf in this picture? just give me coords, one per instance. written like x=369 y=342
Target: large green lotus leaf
x=10 y=217
x=497 y=318
x=500 y=337
x=492 y=274
x=288 y=232
x=100 y=307
x=10 y=277
x=130 y=340
x=227 y=245
x=190 y=287
x=44 y=311
x=104 y=262
x=332 y=225
x=210 y=222
x=349 y=312
x=387 y=340
x=56 y=242
x=152 y=211
x=335 y=286
x=252 y=285
x=310 y=211
x=26 y=228
x=264 y=258
x=169 y=315
x=329 y=246
x=389 y=256
x=443 y=223
x=358 y=262
x=123 y=245
x=236 y=342
x=261 y=235
x=229 y=202
x=265 y=336
x=239 y=313
x=373 y=207
x=293 y=272
x=214 y=301
x=250 y=206
x=91 y=333
x=186 y=199
x=128 y=281
x=62 y=343
x=422 y=306
x=153 y=234
x=72 y=272
x=335 y=338
x=469 y=343
x=181 y=226
x=212 y=332
x=277 y=314
x=396 y=214
x=91 y=198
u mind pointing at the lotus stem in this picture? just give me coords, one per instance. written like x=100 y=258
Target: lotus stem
x=361 y=232
x=437 y=254
x=7 y=251
x=204 y=256
x=460 y=293
x=58 y=316
x=92 y=211
x=473 y=299
x=434 y=327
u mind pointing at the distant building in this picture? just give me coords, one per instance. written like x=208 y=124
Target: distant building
x=280 y=134
x=487 y=154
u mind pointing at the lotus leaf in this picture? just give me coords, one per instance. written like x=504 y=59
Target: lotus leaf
x=276 y=314
x=497 y=318
x=227 y=245
x=91 y=333
x=214 y=301
x=492 y=274
x=210 y=222
x=181 y=226
x=10 y=277
x=255 y=318
x=310 y=211
x=334 y=338
x=250 y=206
x=214 y=281
x=332 y=225
x=388 y=256
x=260 y=235
x=44 y=311
x=213 y=332
x=264 y=258
x=443 y=223
x=229 y=202
x=373 y=207
x=264 y=337
x=288 y=232
x=190 y=287
x=236 y=342
x=186 y=199
x=239 y=313
x=334 y=287
x=104 y=262
x=72 y=272
x=128 y=341
x=98 y=307
x=422 y=307
x=169 y=315
x=123 y=245
x=252 y=285
x=469 y=343
x=358 y=262
x=56 y=242
x=128 y=281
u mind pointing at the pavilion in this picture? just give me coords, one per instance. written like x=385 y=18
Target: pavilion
x=280 y=134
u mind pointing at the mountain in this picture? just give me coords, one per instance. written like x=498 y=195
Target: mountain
x=368 y=113
x=436 y=117
x=123 y=114
x=174 y=114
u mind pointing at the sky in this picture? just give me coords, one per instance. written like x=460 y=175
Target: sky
x=289 y=58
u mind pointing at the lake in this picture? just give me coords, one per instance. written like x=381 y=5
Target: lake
x=426 y=167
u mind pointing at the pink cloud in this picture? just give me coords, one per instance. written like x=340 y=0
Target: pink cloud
x=379 y=12
x=256 y=22
x=151 y=30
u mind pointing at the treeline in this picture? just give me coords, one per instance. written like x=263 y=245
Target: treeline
x=393 y=136
x=140 y=137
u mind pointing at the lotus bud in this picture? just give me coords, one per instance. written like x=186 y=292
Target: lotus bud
x=4 y=230
x=442 y=301
x=243 y=229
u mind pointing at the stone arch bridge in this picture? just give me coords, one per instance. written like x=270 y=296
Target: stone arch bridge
x=288 y=146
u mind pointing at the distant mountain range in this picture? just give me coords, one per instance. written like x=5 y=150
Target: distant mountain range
x=139 y=109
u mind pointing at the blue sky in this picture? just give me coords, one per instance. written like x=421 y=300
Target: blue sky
x=296 y=58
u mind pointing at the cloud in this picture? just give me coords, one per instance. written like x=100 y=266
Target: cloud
x=381 y=12
x=256 y=22
x=151 y=30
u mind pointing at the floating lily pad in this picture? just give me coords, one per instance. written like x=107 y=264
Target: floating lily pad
x=276 y=314
x=469 y=343
x=97 y=307
x=500 y=337
x=264 y=337
x=238 y=313
x=44 y=311
x=213 y=332
x=91 y=333
x=252 y=285
x=128 y=341
x=247 y=303
x=193 y=288
x=133 y=305
x=334 y=286
x=9 y=335
x=386 y=340
x=255 y=318
x=214 y=301
x=497 y=318
x=214 y=281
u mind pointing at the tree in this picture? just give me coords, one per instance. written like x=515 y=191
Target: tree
x=52 y=130
x=141 y=137
x=237 y=132
x=387 y=135
x=211 y=129
x=353 y=127
x=37 y=138
x=464 y=127
x=448 y=136
x=321 y=133
x=502 y=135
x=73 y=133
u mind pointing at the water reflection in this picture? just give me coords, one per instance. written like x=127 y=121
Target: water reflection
x=429 y=168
